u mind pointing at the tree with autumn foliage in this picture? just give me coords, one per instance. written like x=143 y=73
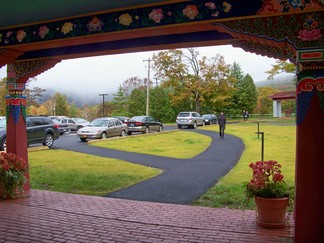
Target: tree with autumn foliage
x=264 y=104
x=196 y=83
x=281 y=67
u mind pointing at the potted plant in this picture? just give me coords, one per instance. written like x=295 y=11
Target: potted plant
x=271 y=194
x=12 y=175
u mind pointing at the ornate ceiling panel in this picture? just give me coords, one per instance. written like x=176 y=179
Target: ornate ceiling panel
x=267 y=27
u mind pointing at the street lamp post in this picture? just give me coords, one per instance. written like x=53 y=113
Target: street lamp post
x=103 y=103
x=148 y=87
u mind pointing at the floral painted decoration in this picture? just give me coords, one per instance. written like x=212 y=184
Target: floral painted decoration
x=43 y=31
x=125 y=19
x=311 y=32
x=156 y=15
x=21 y=34
x=191 y=11
x=95 y=24
x=67 y=27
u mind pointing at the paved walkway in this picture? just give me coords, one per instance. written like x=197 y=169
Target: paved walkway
x=183 y=180
x=58 y=217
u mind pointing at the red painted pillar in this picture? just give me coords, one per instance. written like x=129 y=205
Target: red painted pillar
x=16 y=120
x=309 y=201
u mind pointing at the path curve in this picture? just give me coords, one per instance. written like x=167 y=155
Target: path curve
x=183 y=180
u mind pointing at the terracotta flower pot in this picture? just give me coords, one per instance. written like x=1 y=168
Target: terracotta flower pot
x=271 y=212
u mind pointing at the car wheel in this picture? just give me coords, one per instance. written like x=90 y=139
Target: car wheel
x=49 y=140
x=83 y=139
x=160 y=129
x=195 y=125
x=123 y=133
x=103 y=135
x=3 y=145
x=147 y=130
x=179 y=126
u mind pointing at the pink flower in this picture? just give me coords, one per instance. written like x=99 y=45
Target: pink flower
x=156 y=15
x=215 y=14
x=210 y=5
x=309 y=35
x=21 y=34
x=191 y=11
x=9 y=33
x=43 y=31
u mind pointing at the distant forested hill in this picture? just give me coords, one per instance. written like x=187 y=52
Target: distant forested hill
x=284 y=82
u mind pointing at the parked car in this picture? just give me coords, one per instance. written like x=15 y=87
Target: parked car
x=189 y=119
x=75 y=123
x=209 y=119
x=102 y=128
x=123 y=119
x=143 y=124
x=40 y=129
x=62 y=127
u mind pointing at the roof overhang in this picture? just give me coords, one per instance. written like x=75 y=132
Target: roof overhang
x=70 y=29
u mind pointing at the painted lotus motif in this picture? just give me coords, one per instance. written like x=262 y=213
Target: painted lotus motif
x=309 y=35
x=156 y=15
x=191 y=11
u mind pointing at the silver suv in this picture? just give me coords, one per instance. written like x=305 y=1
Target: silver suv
x=189 y=119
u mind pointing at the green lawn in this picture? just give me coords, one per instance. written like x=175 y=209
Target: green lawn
x=176 y=144
x=66 y=171
x=279 y=145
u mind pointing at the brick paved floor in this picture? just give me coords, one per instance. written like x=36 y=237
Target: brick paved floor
x=59 y=217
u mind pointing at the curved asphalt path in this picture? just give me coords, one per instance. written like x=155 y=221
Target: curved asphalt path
x=182 y=180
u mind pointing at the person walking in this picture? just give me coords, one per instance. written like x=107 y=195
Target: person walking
x=221 y=123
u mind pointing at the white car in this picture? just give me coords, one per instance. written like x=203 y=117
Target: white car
x=189 y=119
x=102 y=128
x=75 y=123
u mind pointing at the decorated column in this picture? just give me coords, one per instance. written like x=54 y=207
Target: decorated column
x=16 y=117
x=309 y=210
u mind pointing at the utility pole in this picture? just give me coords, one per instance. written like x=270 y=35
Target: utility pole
x=148 y=87
x=103 y=103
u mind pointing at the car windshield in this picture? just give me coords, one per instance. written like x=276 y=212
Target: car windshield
x=137 y=118
x=184 y=114
x=98 y=123
x=206 y=116
x=79 y=120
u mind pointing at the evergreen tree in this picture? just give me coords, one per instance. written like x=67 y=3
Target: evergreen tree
x=120 y=103
x=137 y=102
x=248 y=98
x=161 y=107
x=61 y=105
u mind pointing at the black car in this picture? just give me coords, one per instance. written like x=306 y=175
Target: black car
x=143 y=124
x=209 y=119
x=40 y=129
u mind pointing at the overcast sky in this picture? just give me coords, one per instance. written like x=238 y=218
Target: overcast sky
x=104 y=74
